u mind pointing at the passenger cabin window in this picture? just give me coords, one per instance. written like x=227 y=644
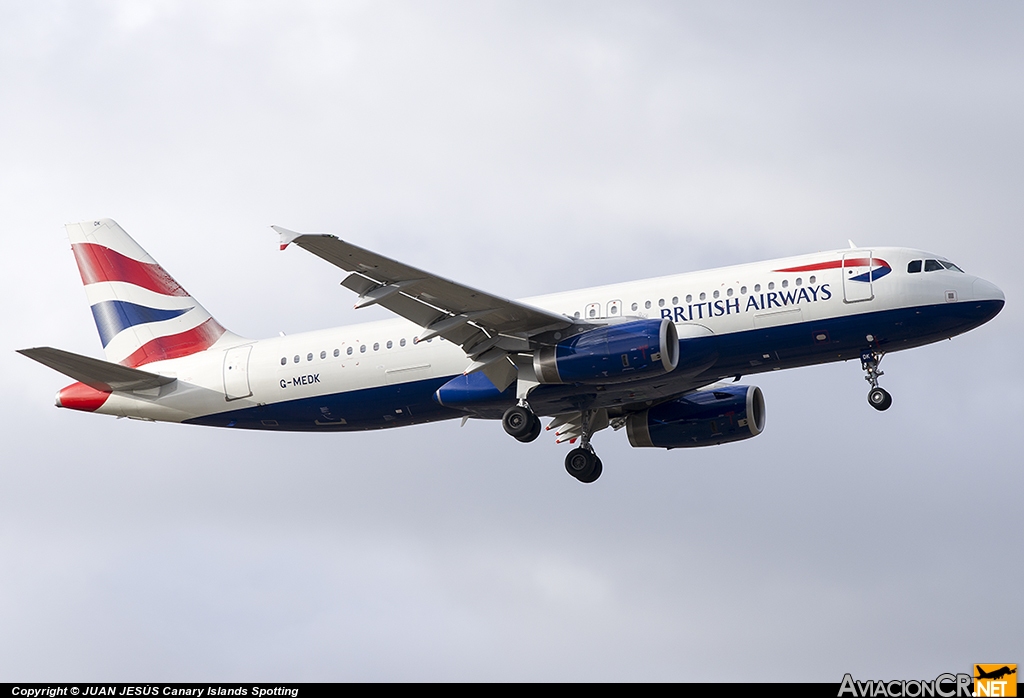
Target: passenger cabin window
x=349 y=351
x=914 y=267
x=932 y=265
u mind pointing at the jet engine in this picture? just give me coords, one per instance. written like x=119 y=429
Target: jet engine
x=703 y=418
x=614 y=353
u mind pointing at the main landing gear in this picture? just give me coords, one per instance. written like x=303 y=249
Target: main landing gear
x=582 y=463
x=879 y=398
x=521 y=423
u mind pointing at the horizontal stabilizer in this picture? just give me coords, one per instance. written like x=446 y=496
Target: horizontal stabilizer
x=98 y=374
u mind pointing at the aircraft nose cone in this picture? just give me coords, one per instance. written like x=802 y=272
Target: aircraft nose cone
x=986 y=291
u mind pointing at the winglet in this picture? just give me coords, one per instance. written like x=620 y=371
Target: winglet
x=287 y=236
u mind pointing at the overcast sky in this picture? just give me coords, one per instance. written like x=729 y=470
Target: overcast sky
x=523 y=148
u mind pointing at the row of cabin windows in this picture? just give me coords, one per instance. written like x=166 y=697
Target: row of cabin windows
x=613 y=306
x=931 y=265
x=349 y=352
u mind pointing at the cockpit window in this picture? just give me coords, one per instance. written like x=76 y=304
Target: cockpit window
x=951 y=266
x=914 y=267
x=932 y=265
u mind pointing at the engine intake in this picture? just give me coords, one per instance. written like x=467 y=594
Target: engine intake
x=703 y=418
x=613 y=353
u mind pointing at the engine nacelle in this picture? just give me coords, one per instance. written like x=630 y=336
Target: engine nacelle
x=613 y=353
x=703 y=418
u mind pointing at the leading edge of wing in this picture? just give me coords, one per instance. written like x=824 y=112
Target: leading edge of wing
x=444 y=307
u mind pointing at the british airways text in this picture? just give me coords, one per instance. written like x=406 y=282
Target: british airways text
x=754 y=302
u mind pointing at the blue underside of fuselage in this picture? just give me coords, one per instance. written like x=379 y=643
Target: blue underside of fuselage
x=718 y=356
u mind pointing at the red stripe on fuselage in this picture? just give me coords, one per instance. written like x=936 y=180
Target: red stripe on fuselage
x=98 y=263
x=837 y=263
x=79 y=396
x=176 y=345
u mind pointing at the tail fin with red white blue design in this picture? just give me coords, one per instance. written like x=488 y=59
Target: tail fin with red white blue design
x=142 y=314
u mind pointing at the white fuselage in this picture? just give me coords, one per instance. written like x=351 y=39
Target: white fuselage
x=750 y=301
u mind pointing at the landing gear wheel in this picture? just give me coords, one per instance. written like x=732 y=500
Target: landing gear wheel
x=532 y=434
x=519 y=421
x=582 y=463
x=880 y=399
x=598 y=469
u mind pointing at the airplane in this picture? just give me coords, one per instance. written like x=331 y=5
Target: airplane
x=995 y=674
x=654 y=356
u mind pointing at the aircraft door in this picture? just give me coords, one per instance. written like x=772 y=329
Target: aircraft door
x=857 y=281
x=236 y=373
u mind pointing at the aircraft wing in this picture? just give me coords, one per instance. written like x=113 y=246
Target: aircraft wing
x=463 y=315
x=98 y=374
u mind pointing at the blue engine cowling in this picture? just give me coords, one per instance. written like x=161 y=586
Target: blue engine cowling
x=613 y=353
x=703 y=418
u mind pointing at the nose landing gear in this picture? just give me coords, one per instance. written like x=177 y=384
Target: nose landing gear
x=879 y=398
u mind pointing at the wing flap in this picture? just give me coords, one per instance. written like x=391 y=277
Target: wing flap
x=98 y=374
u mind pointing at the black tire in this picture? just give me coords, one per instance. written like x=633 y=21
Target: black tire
x=598 y=469
x=532 y=434
x=518 y=421
x=581 y=463
x=880 y=399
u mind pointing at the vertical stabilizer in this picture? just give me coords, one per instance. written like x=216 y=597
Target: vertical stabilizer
x=142 y=314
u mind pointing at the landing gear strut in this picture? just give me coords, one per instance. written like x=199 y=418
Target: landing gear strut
x=879 y=398
x=521 y=423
